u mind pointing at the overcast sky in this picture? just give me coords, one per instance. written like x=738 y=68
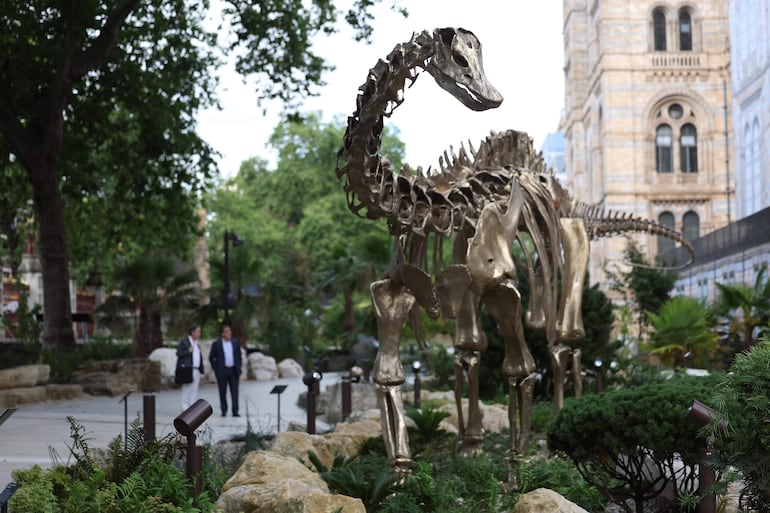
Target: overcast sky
x=523 y=57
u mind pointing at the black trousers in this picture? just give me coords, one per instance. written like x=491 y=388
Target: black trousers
x=229 y=379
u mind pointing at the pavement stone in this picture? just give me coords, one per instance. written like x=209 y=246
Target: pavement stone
x=40 y=433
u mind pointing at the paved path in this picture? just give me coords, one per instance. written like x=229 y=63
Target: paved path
x=38 y=433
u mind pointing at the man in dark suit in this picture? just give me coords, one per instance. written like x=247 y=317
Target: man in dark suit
x=225 y=358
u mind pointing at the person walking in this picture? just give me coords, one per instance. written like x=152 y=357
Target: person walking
x=189 y=354
x=225 y=359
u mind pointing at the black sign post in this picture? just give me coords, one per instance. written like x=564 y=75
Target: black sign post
x=278 y=390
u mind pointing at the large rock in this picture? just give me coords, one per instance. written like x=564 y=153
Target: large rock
x=544 y=500
x=345 y=441
x=63 y=392
x=166 y=358
x=494 y=417
x=269 y=482
x=363 y=396
x=290 y=368
x=23 y=395
x=262 y=367
x=24 y=376
x=117 y=377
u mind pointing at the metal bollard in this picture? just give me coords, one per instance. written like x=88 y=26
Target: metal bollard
x=311 y=379
x=148 y=406
x=346 y=397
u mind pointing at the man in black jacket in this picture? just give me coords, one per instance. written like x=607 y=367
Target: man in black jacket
x=188 y=354
x=225 y=358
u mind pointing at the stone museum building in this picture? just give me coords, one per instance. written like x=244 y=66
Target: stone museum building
x=647 y=118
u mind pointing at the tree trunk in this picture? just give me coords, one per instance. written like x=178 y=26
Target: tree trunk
x=54 y=258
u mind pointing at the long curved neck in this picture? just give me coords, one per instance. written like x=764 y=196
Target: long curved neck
x=364 y=171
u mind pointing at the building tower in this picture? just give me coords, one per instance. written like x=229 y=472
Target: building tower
x=647 y=118
x=749 y=22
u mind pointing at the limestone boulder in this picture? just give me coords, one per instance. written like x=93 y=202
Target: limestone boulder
x=24 y=395
x=544 y=500
x=166 y=358
x=270 y=482
x=290 y=368
x=363 y=396
x=262 y=367
x=494 y=417
x=63 y=392
x=24 y=376
x=345 y=441
x=117 y=377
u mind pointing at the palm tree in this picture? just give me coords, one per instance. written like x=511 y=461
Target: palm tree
x=150 y=288
x=681 y=329
x=744 y=308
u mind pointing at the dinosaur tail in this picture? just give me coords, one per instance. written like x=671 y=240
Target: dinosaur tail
x=612 y=224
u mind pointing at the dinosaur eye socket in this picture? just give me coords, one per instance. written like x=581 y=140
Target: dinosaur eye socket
x=459 y=60
x=447 y=36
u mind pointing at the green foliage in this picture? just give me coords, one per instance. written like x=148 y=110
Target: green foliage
x=23 y=326
x=64 y=363
x=615 y=438
x=36 y=492
x=132 y=475
x=681 y=329
x=369 y=479
x=742 y=308
x=442 y=367
x=561 y=476
x=742 y=399
x=649 y=286
x=151 y=287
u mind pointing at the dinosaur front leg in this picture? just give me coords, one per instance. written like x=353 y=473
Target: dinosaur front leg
x=392 y=304
x=504 y=303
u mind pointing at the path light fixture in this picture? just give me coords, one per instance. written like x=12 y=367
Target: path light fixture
x=186 y=424
x=278 y=390
x=416 y=366
x=599 y=364
x=701 y=416
x=230 y=237
x=311 y=380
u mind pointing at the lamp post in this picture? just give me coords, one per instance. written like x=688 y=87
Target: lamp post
x=311 y=379
x=416 y=365
x=230 y=236
x=599 y=364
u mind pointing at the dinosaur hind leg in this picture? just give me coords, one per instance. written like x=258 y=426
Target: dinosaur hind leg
x=504 y=303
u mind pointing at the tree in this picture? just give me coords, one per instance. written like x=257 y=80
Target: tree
x=744 y=308
x=296 y=219
x=649 y=285
x=682 y=331
x=151 y=287
x=99 y=104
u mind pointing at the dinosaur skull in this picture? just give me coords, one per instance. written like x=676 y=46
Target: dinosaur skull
x=456 y=66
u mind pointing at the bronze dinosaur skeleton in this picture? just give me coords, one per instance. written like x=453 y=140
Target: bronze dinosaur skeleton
x=485 y=201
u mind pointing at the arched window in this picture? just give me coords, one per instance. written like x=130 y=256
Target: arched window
x=690 y=225
x=685 y=31
x=659 y=31
x=664 y=155
x=664 y=243
x=688 y=149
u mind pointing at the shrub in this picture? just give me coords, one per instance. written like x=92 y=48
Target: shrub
x=742 y=399
x=625 y=442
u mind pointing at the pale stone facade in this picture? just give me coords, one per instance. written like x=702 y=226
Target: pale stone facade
x=648 y=130
x=750 y=48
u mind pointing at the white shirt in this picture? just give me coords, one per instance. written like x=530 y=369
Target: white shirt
x=196 y=360
x=227 y=349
